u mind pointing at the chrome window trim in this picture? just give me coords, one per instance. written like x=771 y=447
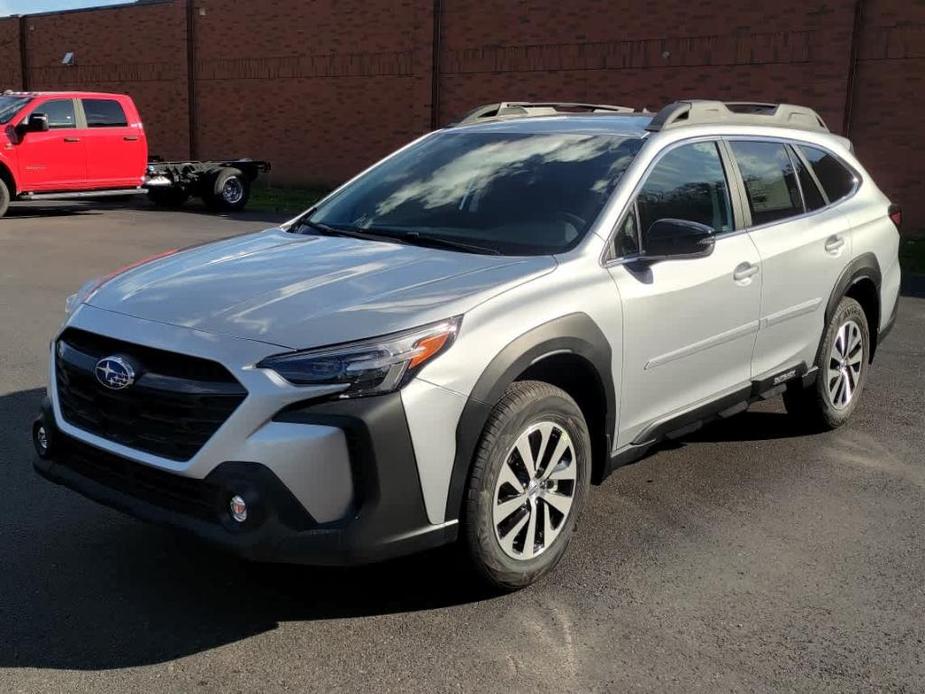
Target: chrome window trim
x=739 y=185
x=733 y=199
x=858 y=179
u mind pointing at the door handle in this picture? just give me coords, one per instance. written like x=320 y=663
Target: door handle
x=834 y=243
x=743 y=271
x=72 y=139
x=130 y=138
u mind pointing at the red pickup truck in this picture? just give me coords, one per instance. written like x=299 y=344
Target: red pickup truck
x=64 y=145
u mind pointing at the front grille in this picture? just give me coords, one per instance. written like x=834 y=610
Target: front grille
x=169 y=491
x=175 y=405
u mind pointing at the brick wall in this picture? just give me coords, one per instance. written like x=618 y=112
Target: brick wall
x=322 y=88
x=10 y=56
x=889 y=102
x=138 y=50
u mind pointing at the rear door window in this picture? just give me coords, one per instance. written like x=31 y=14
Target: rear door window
x=104 y=113
x=836 y=179
x=770 y=181
x=60 y=113
x=687 y=183
x=811 y=195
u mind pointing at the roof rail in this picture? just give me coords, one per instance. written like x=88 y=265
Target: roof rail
x=522 y=109
x=698 y=112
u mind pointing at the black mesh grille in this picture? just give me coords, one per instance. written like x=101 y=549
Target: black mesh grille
x=175 y=405
x=182 y=494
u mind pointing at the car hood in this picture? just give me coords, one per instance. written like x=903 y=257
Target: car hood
x=301 y=291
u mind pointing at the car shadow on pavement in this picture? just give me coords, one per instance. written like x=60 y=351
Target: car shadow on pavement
x=750 y=425
x=33 y=211
x=83 y=587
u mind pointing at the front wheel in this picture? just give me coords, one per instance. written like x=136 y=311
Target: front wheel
x=4 y=198
x=529 y=480
x=844 y=357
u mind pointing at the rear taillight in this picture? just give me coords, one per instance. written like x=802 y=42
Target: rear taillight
x=896 y=215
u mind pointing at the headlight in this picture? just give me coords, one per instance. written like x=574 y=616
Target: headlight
x=367 y=367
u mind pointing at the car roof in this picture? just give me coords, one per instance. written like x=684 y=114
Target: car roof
x=622 y=124
x=66 y=94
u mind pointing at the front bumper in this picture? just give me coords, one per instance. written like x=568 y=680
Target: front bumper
x=386 y=519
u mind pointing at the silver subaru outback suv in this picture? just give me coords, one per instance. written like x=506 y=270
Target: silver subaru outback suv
x=456 y=343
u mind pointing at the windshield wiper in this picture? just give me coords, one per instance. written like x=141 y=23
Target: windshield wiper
x=434 y=241
x=351 y=232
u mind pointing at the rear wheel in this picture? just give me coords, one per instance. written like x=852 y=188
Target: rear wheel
x=528 y=484
x=4 y=197
x=844 y=357
x=228 y=190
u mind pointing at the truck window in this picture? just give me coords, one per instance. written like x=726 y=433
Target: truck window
x=104 y=113
x=60 y=113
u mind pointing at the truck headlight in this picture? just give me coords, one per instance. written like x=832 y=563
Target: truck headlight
x=367 y=367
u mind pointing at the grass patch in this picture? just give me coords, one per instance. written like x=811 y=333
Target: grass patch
x=912 y=255
x=288 y=200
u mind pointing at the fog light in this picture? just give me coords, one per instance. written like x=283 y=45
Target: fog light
x=41 y=438
x=238 y=508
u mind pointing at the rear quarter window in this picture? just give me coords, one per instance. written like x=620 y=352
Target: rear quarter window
x=104 y=113
x=837 y=180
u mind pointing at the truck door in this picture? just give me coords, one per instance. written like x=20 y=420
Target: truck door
x=116 y=149
x=56 y=159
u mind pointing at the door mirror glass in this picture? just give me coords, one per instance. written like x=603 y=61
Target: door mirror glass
x=674 y=239
x=37 y=123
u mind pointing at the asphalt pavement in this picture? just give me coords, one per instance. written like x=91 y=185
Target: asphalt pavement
x=745 y=557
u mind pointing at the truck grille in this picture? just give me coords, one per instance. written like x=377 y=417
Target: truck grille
x=174 y=406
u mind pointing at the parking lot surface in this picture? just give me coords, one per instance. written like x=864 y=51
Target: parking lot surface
x=745 y=557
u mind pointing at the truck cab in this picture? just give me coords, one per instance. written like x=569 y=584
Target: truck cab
x=66 y=142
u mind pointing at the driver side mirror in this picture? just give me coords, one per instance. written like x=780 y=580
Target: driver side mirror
x=35 y=123
x=677 y=239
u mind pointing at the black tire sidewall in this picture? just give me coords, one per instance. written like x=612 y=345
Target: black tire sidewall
x=848 y=309
x=525 y=404
x=214 y=198
x=4 y=198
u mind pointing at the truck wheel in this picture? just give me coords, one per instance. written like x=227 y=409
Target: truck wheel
x=228 y=191
x=168 y=197
x=4 y=198
x=842 y=370
x=529 y=480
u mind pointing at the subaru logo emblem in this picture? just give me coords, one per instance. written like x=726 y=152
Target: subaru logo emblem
x=115 y=373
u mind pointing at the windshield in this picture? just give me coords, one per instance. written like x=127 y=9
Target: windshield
x=510 y=193
x=11 y=105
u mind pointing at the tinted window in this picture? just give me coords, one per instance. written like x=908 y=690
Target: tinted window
x=770 y=182
x=837 y=181
x=11 y=105
x=104 y=113
x=60 y=113
x=626 y=241
x=811 y=195
x=513 y=192
x=687 y=183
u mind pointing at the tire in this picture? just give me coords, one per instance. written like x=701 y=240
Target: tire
x=531 y=414
x=227 y=190
x=4 y=198
x=840 y=378
x=168 y=197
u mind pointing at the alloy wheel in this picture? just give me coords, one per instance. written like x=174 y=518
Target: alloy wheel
x=846 y=360
x=535 y=491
